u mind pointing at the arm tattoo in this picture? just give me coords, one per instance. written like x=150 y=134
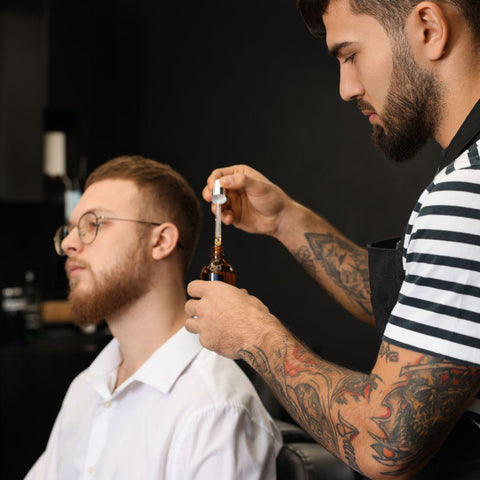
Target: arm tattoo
x=399 y=425
x=343 y=262
x=348 y=433
x=386 y=353
x=304 y=400
x=304 y=258
x=420 y=410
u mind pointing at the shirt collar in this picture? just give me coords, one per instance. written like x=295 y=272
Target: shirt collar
x=165 y=366
x=466 y=135
x=102 y=373
x=160 y=371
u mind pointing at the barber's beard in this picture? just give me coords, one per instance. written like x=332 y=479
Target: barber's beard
x=112 y=291
x=413 y=108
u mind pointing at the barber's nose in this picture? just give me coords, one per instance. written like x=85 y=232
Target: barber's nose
x=350 y=86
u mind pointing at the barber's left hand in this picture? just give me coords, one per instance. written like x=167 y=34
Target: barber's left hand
x=228 y=319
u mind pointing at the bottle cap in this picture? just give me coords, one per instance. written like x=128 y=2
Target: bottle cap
x=218 y=194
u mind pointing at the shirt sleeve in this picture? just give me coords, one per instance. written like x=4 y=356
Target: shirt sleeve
x=226 y=443
x=438 y=309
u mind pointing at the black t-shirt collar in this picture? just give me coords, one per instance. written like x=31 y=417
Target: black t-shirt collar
x=467 y=134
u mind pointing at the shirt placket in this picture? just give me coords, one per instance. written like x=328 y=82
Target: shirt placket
x=101 y=422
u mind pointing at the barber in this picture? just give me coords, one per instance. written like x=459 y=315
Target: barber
x=413 y=69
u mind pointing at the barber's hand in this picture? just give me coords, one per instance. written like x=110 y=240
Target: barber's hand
x=228 y=319
x=254 y=204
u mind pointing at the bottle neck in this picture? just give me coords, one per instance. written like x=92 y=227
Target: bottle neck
x=217 y=253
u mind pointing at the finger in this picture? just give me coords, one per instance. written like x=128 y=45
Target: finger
x=197 y=288
x=192 y=325
x=228 y=217
x=191 y=307
x=218 y=173
x=235 y=181
x=233 y=177
x=207 y=193
x=207 y=190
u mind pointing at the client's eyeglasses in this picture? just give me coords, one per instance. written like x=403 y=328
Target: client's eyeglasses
x=87 y=229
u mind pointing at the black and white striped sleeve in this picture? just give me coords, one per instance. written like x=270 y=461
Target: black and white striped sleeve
x=438 y=309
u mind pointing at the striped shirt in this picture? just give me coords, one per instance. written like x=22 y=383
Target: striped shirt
x=438 y=308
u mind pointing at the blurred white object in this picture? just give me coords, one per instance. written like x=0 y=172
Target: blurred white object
x=54 y=154
x=72 y=197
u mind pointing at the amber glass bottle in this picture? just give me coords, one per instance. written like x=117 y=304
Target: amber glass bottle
x=218 y=268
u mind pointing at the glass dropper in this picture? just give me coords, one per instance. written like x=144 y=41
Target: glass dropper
x=218 y=198
x=218 y=225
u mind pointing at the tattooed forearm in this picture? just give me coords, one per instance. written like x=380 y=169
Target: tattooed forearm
x=304 y=401
x=394 y=427
x=344 y=263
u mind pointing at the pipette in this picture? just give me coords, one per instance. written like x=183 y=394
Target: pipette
x=218 y=198
x=218 y=226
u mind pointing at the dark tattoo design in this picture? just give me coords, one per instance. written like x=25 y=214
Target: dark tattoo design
x=348 y=433
x=405 y=421
x=304 y=258
x=420 y=411
x=345 y=263
x=357 y=386
x=388 y=354
x=304 y=400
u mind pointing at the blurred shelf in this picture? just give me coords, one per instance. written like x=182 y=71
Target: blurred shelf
x=56 y=311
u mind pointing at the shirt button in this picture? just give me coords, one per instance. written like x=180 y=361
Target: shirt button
x=91 y=470
x=108 y=404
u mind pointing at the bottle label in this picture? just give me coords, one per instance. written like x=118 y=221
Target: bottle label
x=215 y=276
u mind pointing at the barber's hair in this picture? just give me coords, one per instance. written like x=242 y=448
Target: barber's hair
x=392 y=14
x=164 y=193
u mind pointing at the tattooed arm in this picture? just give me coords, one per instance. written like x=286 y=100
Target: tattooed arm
x=339 y=265
x=386 y=424
x=256 y=205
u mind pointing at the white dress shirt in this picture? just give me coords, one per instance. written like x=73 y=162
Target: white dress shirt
x=187 y=413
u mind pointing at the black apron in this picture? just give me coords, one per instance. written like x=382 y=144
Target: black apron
x=459 y=457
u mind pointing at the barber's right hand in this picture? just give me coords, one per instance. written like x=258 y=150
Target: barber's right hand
x=254 y=204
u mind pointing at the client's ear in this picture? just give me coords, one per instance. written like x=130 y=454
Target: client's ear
x=164 y=240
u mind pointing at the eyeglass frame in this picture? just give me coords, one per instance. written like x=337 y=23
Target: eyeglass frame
x=58 y=243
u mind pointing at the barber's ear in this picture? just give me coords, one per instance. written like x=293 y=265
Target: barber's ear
x=427 y=28
x=164 y=240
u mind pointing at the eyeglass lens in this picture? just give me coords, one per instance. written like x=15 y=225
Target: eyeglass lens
x=86 y=228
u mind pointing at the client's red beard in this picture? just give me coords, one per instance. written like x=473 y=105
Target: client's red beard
x=115 y=290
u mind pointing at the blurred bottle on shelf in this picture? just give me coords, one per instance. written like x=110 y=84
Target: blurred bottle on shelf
x=12 y=317
x=33 y=308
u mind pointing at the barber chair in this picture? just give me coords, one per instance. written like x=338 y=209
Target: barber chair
x=301 y=458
